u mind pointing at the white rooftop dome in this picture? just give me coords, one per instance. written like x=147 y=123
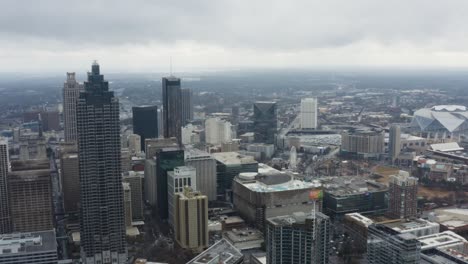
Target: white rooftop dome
x=442 y=119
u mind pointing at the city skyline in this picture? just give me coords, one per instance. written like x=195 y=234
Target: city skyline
x=313 y=33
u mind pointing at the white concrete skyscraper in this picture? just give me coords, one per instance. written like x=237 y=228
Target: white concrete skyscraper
x=309 y=113
x=102 y=225
x=217 y=131
x=71 y=92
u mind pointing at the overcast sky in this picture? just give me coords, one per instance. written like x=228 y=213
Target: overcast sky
x=62 y=35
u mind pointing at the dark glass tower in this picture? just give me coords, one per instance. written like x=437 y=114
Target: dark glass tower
x=101 y=194
x=166 y=160
x=145 y=122
x=265 y=122
x=187 y=105
x=172 y=104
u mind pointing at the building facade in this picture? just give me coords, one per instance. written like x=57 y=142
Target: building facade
x=205 y=166
x=385 y=245
x=191 y=220
x=394 y=143
x=298 y=238
x=70 y=181
x=30 y=194
x=403 y=195
x=228 y=166
x=187 y=105
x=145 y=122
x=265 y=122
x=177 y=180
x=28 y=248
x=309 y=113
x=172 y=108
x=217 y=131
x=5 y=221
x=102 y=222
x=135 y=179
x=363 y=143
x=167 y=159
x=71 y=92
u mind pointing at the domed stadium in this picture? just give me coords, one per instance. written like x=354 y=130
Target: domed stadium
x=445 y=119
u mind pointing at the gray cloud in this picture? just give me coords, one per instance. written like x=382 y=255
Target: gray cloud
x=236 y=27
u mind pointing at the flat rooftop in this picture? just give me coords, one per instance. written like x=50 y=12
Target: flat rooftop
x=351 y=185
x=20 y=243
x=243 y=235
x=360 y=218
x=441 y=240
x=194 y=153
x=269 y=179
x=406 y=226
x=233 y=158
x=222 y=252
x=295 y=218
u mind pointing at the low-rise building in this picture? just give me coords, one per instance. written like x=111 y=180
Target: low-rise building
x=222 y=252
x=35 y=247
x=245 y=238
x=348 y=194
x=270 y=193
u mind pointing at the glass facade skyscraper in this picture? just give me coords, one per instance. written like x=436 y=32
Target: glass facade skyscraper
x=145 y=122
x=102 y=225
x=265 y=122
x=172 y=104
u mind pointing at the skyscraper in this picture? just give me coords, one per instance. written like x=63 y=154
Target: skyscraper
x=166 y=160
x=102 y=226
x=145 y=122
x=191 y=220
x=394 y=144
x=385 y=245
x=70 y=181
x=183 y=176
x=5 y=224
x=265 y=122
x=309 y=113
x=205 y=166
x=298 y=238
x=187 y=105
x=403 y=195
x=30 y=194
x=217 y=131
x=172 y=108
x=71 y=92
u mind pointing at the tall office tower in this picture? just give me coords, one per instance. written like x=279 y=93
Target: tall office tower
x=71 y=92
x=30 y=193
x=135 y=179
x=298 y=238
x=150 y=182
x=205 y=166
x=191 y=220
x=309 y=113
x=102 y=225
x=394 y=145
x=145 y=122
x=134 y=143
x=5 y=224
x=403 y=195
x=183 y=176
x=127 y=203
x=166 y=160
x=160 y=123
x=172 y=105
x=125 y=160
x=265 y=122
x=217 y=131
x=28 y=248
x=187 y=105
x=70 y=181
x=385 y=245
